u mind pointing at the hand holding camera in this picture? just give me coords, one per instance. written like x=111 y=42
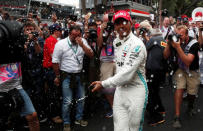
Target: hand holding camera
x=33 y=36
x=175 y=44
x=174 y=40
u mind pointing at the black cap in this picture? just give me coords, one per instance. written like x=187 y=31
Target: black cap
x=55 y=27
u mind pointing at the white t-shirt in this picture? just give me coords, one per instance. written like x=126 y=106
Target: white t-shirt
x=164 y=30
x=69 y=56
x=192 y=32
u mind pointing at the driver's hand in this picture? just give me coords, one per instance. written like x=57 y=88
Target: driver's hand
x=97 y=86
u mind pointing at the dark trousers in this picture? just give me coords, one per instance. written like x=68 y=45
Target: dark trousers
x=154 y=106
x=33 y=84
x=53 y=94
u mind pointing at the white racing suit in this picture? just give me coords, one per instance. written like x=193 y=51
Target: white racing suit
x=131 y=94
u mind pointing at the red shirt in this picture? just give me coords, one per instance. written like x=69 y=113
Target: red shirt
x=48 y=51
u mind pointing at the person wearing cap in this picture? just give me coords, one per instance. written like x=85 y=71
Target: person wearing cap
x=49 y=75
x=136 y=29
x=130 y=98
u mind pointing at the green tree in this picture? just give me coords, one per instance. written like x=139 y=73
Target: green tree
x=179 y=7
x=176 y=7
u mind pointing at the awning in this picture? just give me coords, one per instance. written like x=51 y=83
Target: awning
x=138 y=13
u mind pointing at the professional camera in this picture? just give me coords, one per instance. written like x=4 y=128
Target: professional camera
x=35 y=34
x=110 y=25
x=164 y=13
x=11 y=42
x=143 y=30
x=73 y=17
x=174 y=37
x=92 y=35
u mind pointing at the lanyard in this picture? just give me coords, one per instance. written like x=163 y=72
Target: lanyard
x=74 y=50
x=70 y=45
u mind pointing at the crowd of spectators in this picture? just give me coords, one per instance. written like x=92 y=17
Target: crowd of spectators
x=62 y=58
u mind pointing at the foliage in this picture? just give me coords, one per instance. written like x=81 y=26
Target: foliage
x=179 y=7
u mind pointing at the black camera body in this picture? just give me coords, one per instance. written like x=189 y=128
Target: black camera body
x=143 y=30
x=73 y=17
x=11 y=42
x=164 y=13
x=35 y=34
x=92 y=35
x=109 y=27
x=174 y=37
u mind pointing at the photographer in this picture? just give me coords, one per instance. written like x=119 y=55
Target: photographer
x=144 y=31
x=32 y=66
x=13 y=98
x=10 y=83
x=165 y=27
x=107 y=65
x=91 y=65
x=187 y=75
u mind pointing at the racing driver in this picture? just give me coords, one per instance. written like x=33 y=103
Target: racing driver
x=131 y=94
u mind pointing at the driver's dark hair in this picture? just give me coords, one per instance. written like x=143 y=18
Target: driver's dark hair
x=75 y=27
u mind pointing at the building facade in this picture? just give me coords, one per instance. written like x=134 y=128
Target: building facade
x=137 y=8
x=41 y=8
